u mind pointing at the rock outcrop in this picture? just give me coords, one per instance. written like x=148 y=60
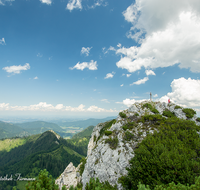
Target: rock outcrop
x=69 y=177
x=109 y=149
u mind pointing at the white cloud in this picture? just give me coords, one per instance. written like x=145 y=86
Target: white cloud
x=184 y=92
x=48 y=2
x=131 y=13
x=119 y=45
x=36 y=78
x=98 y=3
x=141 y=81
x=2 y=2
x=105 y=100
x=80 y=108
x=4 y=106
x=74 y=4
x=90 y=65
x=149 y=72
x=111 y=48
x=122 y=85
x=2 y=41
x=166 y=39
x=128 y=102
x=59 y=106
x=109 y=75
x=86 y=51
x=156 y=95
x=43 y=106
x=17 y=69
x=97 y=109
x=128 y=75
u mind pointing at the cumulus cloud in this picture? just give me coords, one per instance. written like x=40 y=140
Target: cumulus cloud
x=43 y=106
x=149 y=72
x=156 y=95
x=185 y=92
x=2 y=41
x=109 y=75
x=131 y=13
x=17 y=69
x=141 y=81
x=4 y=106
x=122 y=85
x=74 y=4
x=86 y=51
x=92 y=65
x=128 y=102
x=128 y=75
x=48 y=2
x=166 y=39
x=35 y=77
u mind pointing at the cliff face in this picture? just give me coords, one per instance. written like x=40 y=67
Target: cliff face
x=112 y=144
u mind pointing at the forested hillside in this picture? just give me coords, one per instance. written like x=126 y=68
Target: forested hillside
x=8 y=130
x=37 y=152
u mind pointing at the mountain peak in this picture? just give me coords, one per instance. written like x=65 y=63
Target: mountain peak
x=112 y=143
x=58 y=136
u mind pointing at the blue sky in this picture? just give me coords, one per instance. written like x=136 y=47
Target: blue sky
x=93 y=58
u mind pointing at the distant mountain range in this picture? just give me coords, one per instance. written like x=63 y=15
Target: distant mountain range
x=8 y=130
x=84 y=123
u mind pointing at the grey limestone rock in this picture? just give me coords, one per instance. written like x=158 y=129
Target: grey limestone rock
x=69 y=177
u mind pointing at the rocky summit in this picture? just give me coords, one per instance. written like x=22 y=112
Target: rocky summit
x=112 y=143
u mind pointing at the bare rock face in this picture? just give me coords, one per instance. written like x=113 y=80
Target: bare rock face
x=109 y=163
x=69 y=177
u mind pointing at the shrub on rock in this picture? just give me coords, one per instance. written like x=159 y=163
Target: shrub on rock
x=168 y=113
x=172 y=154
x=113 y=142
x=189 y=112
x=122 y=115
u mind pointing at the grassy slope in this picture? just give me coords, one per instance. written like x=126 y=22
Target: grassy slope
x=8 y=144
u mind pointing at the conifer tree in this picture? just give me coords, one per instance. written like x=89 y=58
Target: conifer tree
x=43 y=181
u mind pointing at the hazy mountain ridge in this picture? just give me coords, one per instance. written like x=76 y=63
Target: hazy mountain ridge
x=85 y=123
x=9 y=130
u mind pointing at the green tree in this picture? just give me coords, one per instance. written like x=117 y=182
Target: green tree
x=43 y=181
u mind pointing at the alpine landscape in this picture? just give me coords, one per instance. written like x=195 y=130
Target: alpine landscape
x=100 y=95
